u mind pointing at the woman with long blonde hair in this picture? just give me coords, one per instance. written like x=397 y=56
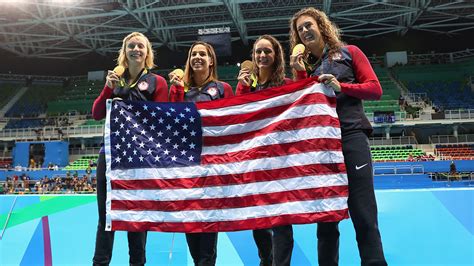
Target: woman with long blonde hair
x=132 y=81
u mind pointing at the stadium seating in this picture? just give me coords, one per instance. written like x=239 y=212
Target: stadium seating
x=92 y=122
x=455 y=151
x=82 y=163
x=445 y=94
x=8 y=90
x=394 y=153
x=445 y=84
x=6 y=162
x=24 y=123
x=34 y=101
x=79 y=97
x=389 y=101
x=229 y=74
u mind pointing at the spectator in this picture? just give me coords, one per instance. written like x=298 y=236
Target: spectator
x=32 y=163
x=452 y=168
x=88 y=171
x=8 y=180
x=402 y=102
x=453 y=174
x=15 y=180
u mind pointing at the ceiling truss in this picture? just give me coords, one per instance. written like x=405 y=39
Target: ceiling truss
x=68 y=30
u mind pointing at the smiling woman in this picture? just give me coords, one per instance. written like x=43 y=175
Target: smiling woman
x=348 y=72
x=200 y=81
x=131 y=81
x=200 y=84
x=275 y=245
x=268 y=68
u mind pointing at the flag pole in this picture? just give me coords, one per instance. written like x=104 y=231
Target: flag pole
x=8 y=217
x=170 y=256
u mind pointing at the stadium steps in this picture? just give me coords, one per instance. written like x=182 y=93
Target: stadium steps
x=389 y=100
x=76 y=122
x=426 y=148
x=13 y=100
x=8 y=91
x=82 y=163
x=3 y=123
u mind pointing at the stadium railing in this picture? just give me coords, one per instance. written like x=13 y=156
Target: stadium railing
x=51 y=133
x=393 y=141
x=399 y=169
x=459 y=114
x=84 y=151
x=448 y=139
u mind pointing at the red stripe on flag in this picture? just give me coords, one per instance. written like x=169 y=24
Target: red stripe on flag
x=231 y=179
x=274 y=150
x=258 y=96
x=232 y=202
x=308 y=99
x=226 y=226
x=283 y=125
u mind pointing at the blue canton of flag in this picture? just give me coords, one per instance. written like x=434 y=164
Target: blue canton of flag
x=154 y=135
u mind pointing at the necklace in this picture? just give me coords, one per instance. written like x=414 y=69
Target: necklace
x=311 y=67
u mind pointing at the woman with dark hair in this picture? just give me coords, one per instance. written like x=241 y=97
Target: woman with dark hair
x=347 y=70
x=200 y=81
x=268 y=67
x=133 y=82
x=200 y=84
x=274 y=245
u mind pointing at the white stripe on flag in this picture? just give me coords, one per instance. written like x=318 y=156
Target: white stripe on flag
x=317 y=157
x=268 y=103
x=230 y=191
x=276 y=138
x=295 y=112
x=233 y=214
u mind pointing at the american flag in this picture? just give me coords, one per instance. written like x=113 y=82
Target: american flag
x=254 y=161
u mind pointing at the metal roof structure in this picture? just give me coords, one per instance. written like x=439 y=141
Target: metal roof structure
x=69 y=29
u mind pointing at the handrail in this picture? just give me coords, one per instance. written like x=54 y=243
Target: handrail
x=410 y=140
x=459 y=114
x=451 y=139
x=398 y=169
x=52 y=133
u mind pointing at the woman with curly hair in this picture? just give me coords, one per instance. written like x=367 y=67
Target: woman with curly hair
x=347 y=70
